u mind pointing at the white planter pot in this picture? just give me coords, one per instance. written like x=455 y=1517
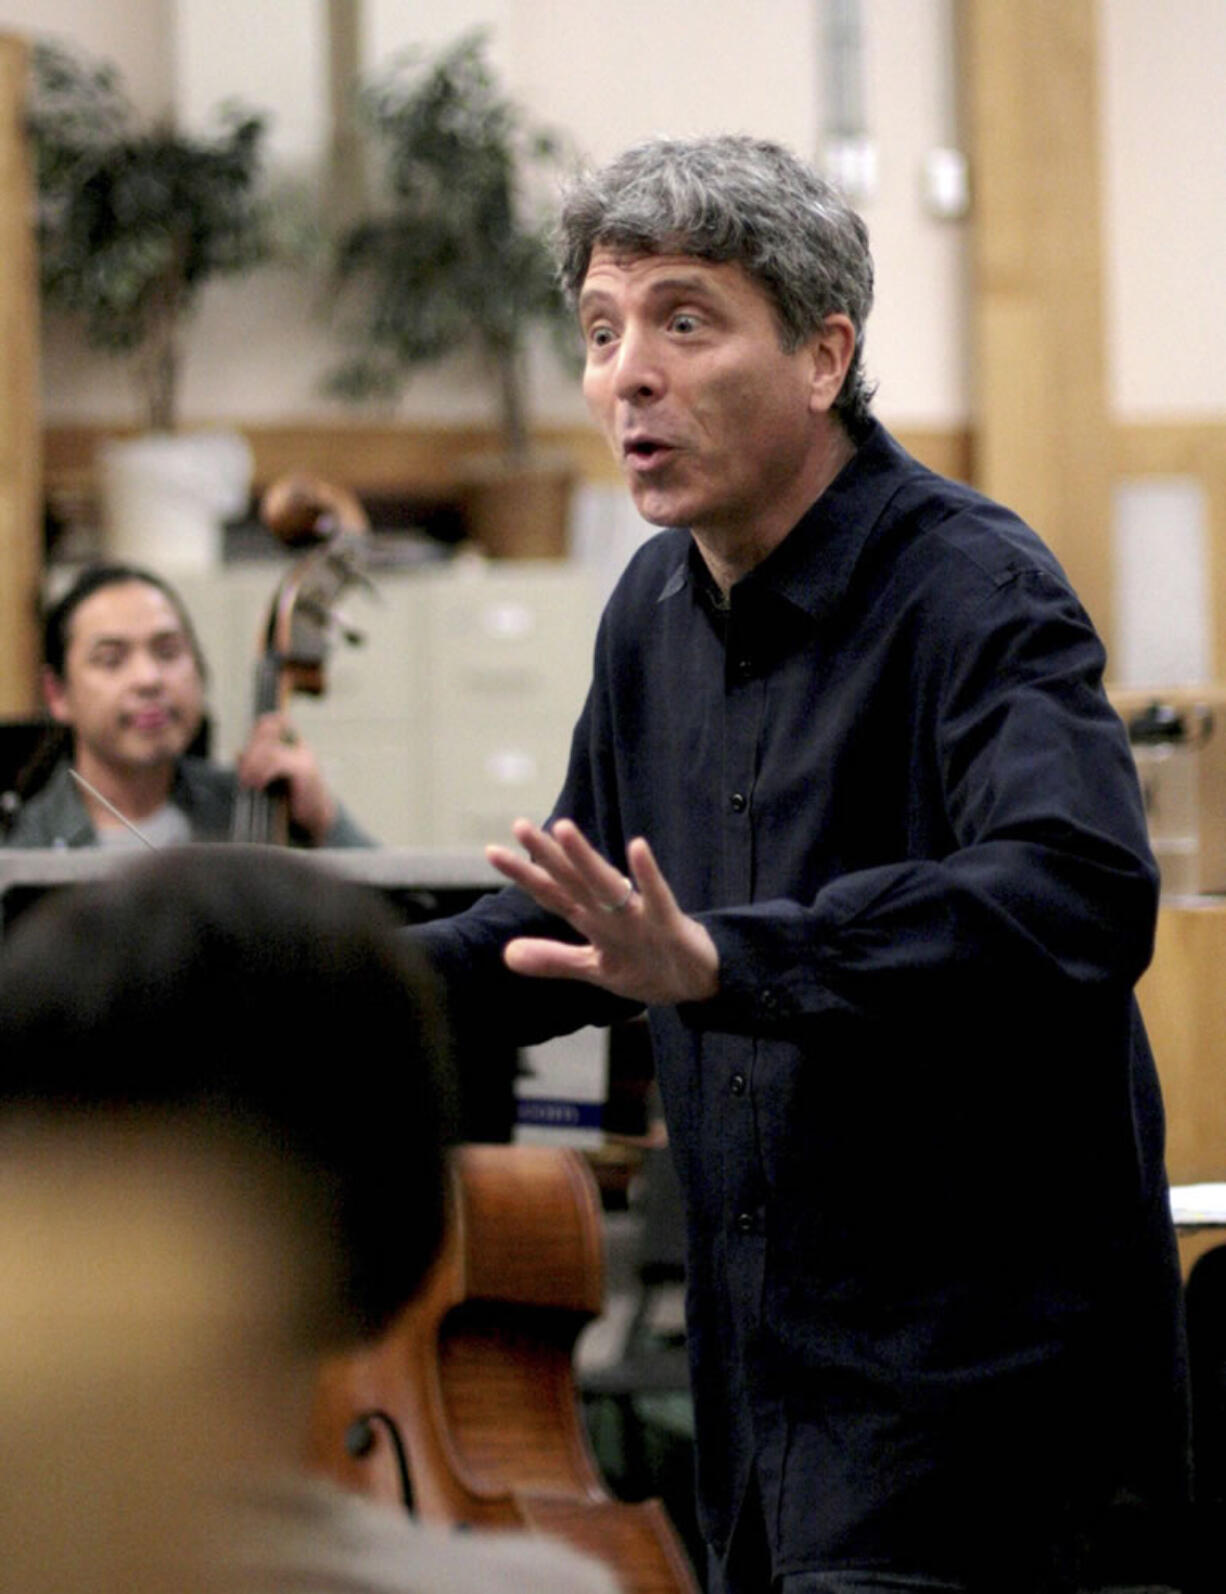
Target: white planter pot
x=165 y=497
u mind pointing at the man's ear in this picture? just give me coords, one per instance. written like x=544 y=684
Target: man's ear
x=55 y=695
x=832 y=349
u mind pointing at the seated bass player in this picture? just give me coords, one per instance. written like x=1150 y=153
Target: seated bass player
x=124 y=675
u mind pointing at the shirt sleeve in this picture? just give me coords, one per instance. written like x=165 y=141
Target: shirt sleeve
x=1050 y=887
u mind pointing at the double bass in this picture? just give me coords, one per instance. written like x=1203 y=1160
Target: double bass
x=328 y=526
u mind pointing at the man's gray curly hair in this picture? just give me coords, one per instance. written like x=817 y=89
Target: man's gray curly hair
x=738 y=199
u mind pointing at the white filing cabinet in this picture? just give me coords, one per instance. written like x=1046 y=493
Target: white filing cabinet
x=508 y=659
x=455 y=716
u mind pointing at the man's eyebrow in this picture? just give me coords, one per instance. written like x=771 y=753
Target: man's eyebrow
x=593 y=298
x=691 y=284
x=111 y=639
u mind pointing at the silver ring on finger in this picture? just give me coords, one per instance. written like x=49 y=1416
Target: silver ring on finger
x=621 y=904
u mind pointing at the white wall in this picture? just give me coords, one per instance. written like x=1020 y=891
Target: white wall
x=1164 y=140
x=135 y=35
x=244 y=50
x=917 y=346
x=607 y=75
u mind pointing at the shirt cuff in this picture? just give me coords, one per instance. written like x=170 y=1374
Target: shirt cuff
x=770 y=971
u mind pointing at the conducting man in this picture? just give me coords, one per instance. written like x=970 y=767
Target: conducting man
x=848 y=812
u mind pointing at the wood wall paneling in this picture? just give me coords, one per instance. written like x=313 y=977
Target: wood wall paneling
x=417 y=459
x=1184 y=1005
x=1042 y=436
x=20 y=434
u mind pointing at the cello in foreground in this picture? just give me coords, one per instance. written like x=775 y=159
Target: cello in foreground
x=474 y=1383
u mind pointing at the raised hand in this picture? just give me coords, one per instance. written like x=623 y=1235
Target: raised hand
x=638 y=943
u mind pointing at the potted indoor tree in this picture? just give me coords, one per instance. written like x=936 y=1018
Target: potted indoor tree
x=455 y=258
x=133 y=221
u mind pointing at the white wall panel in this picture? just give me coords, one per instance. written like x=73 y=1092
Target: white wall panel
x=264 y=53
x=1164 y=135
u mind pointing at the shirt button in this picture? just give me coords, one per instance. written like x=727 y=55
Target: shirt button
x=769 y=1000
x=738 y=802
x=744 y=668
x=744 y=1222
x=738 y=1083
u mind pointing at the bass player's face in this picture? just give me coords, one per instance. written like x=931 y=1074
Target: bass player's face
x=131 y=689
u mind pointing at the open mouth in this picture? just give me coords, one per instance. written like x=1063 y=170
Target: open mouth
x=640 y=453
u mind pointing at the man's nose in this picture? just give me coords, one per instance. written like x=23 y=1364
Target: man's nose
x=145 y=670
x=640 y=374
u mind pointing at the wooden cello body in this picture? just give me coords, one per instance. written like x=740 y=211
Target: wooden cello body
x=477 y=1375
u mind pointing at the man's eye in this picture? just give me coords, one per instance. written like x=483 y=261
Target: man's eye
x=599 y=337
x=684 y=322
x=169 y=649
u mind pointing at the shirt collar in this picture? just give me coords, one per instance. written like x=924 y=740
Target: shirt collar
x=812 y=567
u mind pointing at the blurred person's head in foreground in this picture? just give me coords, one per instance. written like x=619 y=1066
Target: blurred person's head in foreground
x=223 y=1111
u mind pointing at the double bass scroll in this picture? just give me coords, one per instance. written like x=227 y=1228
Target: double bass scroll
x=329 y=526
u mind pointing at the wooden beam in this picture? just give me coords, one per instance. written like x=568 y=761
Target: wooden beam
x=345 y=183
x=1182 y=1000
x=423 y=460
x=20 y=433
x=1040 y=420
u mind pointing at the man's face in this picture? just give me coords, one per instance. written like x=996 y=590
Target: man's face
x=712 y=421
x=131 y=689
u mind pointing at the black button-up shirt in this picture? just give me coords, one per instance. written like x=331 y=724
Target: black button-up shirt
x=932 y=1290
